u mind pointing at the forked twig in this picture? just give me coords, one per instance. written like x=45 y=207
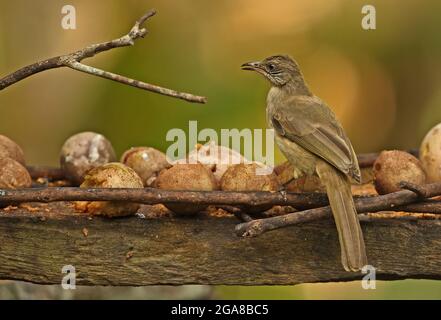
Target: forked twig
x=73 y=61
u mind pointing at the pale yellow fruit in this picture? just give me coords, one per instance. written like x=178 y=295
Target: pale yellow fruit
x=430 y=154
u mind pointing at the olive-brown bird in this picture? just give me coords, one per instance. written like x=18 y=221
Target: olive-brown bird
x=312 y=139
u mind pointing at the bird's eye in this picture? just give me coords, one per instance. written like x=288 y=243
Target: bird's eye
x=271 y=67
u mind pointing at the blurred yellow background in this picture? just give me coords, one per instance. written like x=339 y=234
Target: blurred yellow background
x=383 y=84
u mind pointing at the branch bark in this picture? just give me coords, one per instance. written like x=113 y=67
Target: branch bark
x=369 y=204
x=228 y=201
x=155 y=196
x=73 y=61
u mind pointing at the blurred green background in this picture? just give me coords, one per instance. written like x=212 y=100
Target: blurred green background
x=383 y=84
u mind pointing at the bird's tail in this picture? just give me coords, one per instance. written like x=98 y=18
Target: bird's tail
x=338 y=188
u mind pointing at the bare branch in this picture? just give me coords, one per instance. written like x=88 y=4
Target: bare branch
x=29 y=70
x=368 y=204
x=154 y=196
x=419 y=190
x=73 y=60
x=238 y=213
x=229 y=201
x=134 y=83
x=427 y=206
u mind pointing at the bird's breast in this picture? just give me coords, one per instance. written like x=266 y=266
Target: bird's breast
x=304 y=162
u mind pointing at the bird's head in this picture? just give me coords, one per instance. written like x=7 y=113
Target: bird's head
x=279 y=70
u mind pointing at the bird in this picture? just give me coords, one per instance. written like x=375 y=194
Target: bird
x=314 y=142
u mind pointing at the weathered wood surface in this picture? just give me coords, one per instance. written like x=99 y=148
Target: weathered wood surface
x=36 y=243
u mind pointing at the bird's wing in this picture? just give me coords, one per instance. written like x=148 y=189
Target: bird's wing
x=308 y=122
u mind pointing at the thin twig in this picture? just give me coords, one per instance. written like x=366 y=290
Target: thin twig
x=369 y=204
x=134 y=83
x=72 y=60
x=392 y=215
x=419 y=190
x=237 y=212
x=427 y=206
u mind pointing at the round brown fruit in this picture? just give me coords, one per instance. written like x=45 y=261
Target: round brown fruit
x=10 y=149
x=392 y=167
x=190 y=177
x=85 y=151
x=13 y=175
x=147 y=163
x=110 y=175
x=246 y=177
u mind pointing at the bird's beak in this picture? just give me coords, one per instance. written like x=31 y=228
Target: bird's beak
x=251 y=66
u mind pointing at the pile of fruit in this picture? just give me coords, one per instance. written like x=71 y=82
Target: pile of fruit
x=88 y=160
